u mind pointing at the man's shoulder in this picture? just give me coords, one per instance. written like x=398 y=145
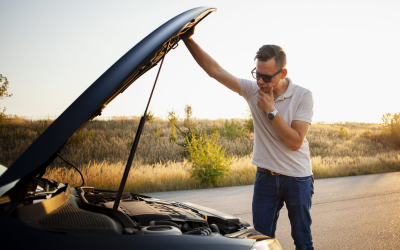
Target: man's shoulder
x=247 y=87
x=301 y=91
x=296 y=89
x=301 y=94
x=247 y=81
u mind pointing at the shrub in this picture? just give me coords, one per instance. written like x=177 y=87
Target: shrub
x=233 y=130
x=209 y=163
x=172 y=119
x=78 y=138
x=43 y=126
x=157 y=132
x=343 y=132
x=190 y=130
x=188 y=116
x=391 y=127
x=150 y=116
x=248 y=121
x=3 y=119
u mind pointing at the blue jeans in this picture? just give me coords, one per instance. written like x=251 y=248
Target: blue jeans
x=269 y=194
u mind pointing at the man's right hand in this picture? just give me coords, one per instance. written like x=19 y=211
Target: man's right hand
x=188 y=34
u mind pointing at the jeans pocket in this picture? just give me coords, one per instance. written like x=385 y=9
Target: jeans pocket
x=259 y=175
x=304 y=179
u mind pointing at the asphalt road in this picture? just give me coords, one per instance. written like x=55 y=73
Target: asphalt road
x=357 y=212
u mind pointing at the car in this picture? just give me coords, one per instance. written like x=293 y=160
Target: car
x=41 y=213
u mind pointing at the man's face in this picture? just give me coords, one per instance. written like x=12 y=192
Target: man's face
x=268 y=68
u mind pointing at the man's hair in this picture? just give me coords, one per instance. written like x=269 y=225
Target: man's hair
x=267 y=52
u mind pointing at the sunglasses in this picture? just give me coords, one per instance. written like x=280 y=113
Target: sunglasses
x=266 y=78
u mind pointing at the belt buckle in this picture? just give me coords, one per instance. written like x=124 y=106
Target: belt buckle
x=273 y=173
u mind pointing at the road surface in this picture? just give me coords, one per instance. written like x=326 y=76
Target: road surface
x=357 y=212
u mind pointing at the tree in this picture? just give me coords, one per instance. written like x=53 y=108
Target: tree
x=4 y=87
x=188 y=116
x=3 y=94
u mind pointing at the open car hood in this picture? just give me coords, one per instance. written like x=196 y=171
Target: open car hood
x=137 y=61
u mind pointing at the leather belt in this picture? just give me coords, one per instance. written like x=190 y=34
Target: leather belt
x=267 y=171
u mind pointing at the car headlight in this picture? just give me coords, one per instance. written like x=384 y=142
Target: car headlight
x=268 y=244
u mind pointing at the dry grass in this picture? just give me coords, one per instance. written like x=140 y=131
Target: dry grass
x=110 y=140
x=151 y=178
x=325 y=167
x=173 y=176
x=101 y=151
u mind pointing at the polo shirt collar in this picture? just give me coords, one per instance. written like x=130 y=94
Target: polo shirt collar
x=288 y=93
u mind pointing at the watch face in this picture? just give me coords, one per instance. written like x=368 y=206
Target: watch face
x=271 y=116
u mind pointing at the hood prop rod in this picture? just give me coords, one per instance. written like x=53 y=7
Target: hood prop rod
x=136 y=141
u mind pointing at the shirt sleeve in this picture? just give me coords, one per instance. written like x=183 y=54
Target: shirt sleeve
x=245 y=88
x=305 y=110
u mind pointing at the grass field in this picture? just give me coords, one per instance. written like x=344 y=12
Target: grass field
x=102 y=148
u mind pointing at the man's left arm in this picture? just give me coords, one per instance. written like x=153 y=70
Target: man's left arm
x=293 y=135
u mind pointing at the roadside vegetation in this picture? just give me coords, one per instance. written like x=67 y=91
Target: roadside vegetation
x=173 y=154
x=4 y=84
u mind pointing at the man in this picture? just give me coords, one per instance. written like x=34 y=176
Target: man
x=282 y=113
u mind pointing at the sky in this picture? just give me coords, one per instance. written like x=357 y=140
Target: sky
x=346 y=52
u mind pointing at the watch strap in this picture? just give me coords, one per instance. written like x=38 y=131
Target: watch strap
x=272 y=114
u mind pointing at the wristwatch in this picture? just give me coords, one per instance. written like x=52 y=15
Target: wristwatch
x=272 y=115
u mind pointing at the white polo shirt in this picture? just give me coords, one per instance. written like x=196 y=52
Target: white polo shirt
x=270 y=151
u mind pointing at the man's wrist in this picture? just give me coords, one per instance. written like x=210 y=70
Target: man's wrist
x=187 y=41
x=270 y=110
x=271 y=115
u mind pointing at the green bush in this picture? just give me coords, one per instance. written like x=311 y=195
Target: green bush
x=209 y=163
x=172 y=119
x=248 y=121
x=157 y=132
x=233 y=130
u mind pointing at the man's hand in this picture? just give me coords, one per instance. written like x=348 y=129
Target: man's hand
x=188 y=34
x=266 y=102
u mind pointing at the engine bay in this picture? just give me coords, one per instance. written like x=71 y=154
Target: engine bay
x=86 y=211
